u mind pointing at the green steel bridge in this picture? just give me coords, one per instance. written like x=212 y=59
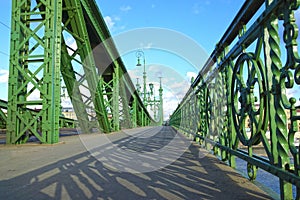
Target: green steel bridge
x=238 y=101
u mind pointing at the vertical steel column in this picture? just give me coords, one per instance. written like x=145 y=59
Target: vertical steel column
x=134 y=112
x=142 y=117
x=127 y=121
x=139 y=115
x=115 y=100
x=35 y=69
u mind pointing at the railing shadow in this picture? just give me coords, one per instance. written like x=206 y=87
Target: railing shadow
x=82 y=176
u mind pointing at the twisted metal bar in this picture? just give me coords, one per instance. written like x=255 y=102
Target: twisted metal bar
x=255 y=91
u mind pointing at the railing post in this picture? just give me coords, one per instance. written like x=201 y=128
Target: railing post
x=278 y=127
x=232 y=136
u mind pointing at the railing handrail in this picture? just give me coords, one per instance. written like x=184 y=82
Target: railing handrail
x=244 y=15
x=239 y=100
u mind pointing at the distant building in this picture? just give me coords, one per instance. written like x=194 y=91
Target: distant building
x=68 y=112
x=287 y=113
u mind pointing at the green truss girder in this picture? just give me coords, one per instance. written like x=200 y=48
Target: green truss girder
x=63 y=121
x=126 y=119
x=42 y=56
x=3 y=119
x=72 y=86
x=76 y=26
x=34 y=67
x=3 y=115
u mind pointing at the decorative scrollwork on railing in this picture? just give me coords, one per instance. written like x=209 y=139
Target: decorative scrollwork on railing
x=253 y=90
x=290 y=77
x=252 y=171
x=203 y=122
x=290 y=34
x=249 y=105
x=210 y=110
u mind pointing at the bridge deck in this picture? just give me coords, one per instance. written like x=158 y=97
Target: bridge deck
x=143 y=163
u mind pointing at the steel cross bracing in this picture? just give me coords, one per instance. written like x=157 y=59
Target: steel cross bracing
x=66 y=40
x=63 y=121
x=239 y=100
x=3 y=115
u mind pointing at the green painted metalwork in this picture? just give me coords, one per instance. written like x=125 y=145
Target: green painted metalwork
x=242 y=95
x=34 y=67
x=148 y=97
x=67 y=123
x=63 y=121
x=134 y=113
x=3 y=116
x=161 y=103
x=73 y=87
x=66 y=41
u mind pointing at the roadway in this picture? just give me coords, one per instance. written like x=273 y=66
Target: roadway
x=142 y=163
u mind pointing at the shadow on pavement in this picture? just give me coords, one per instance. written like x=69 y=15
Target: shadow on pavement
x=82 y=176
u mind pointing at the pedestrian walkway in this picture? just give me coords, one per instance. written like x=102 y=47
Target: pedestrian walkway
x=142 y=163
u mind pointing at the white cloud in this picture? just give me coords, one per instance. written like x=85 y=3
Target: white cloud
x=66 y=102
x=125 y=8
x=200 y=7
x=112 y=23
x=146 y=46
x=175 y=85
x=294 y=92
x=70 y=41
x=4 y=76
x=116 y=18
x=170 y=103
x=191 y=75
x=35 y=95
x=197 y=8
x=109 y=22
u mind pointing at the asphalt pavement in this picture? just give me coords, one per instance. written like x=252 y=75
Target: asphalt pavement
x=142 y=163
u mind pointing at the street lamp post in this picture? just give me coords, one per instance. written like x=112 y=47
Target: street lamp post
x=138 y=86
x=161 y=101
x=140 y=54
x=156 y=105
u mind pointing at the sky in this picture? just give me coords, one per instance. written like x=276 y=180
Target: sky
x=203 y=20
x=199 y=23
x=176 y=37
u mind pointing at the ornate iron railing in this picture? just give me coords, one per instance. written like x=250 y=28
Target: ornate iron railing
x=245 y=96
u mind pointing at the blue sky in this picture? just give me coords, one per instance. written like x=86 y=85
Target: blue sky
x=199 y=22
x=203 y=20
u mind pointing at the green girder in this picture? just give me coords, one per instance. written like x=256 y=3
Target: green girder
x=66 y=40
